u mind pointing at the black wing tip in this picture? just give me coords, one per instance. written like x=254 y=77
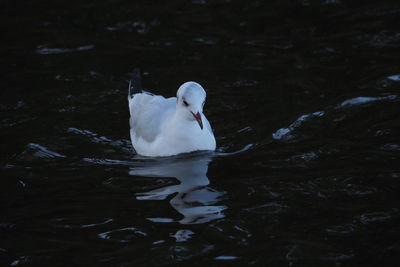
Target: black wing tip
x=135 y=85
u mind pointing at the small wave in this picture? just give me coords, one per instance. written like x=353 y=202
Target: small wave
x=95 y=138
x=8 y=123
x=43 y=50
x=67 y=109
x=384 y=39
x=395 y=78
x=158 y=242
x=242 y=83
x=205 y=41
x=108 y=235
x=337 y=256
x=108 y=161
x=21 y=260
x=391 y=147
x=304 y=160
x=375 y=217
x=18 y=105
x=200 y=154
x=363 y=100
x=285 y=133
x=183 y=235
x=245 y=129
x=332 y=2
x=80 y=226
x=43 y=152
x=270 y=208
x=341 y=230
x=140 y=27
x=225 y=258
x=244 y=149
x=160 y=220
x=122 y=144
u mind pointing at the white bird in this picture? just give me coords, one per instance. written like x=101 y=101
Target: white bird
x=169 y=126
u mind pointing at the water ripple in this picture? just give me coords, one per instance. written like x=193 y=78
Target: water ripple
x=363 y=100
x=44 y=50
x=395 y=78
x=182 y=235
x=109 y=235
x=79 y=225
x=141 y=27
x=43 y=152
x=285 y=133
x=226 y=258
x=375 y=217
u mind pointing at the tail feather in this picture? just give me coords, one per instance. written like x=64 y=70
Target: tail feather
x=135 y=84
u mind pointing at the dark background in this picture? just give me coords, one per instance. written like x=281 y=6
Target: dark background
x=324 y=195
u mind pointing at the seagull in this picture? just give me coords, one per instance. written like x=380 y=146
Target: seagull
x=161 y=127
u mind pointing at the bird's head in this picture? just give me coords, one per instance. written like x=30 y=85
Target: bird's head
x=191 y=99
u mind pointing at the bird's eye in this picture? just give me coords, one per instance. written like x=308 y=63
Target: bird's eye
x=185 y=103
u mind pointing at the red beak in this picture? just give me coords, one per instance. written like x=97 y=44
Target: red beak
x=197 y=116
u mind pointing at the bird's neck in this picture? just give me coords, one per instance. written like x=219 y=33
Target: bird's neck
x=183 y=121
x=180 y=115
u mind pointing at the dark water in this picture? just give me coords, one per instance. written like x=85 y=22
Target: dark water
x=304 y=100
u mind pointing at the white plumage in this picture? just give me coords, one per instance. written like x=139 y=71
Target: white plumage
x=169 y=126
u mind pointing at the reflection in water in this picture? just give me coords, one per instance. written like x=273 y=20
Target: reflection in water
x=194 y=198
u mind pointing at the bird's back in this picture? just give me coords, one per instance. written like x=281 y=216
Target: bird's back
x=147 y=112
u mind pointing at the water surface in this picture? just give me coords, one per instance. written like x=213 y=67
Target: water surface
x=304 y=100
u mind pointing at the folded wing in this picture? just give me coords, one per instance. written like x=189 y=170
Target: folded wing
x=147 y=112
